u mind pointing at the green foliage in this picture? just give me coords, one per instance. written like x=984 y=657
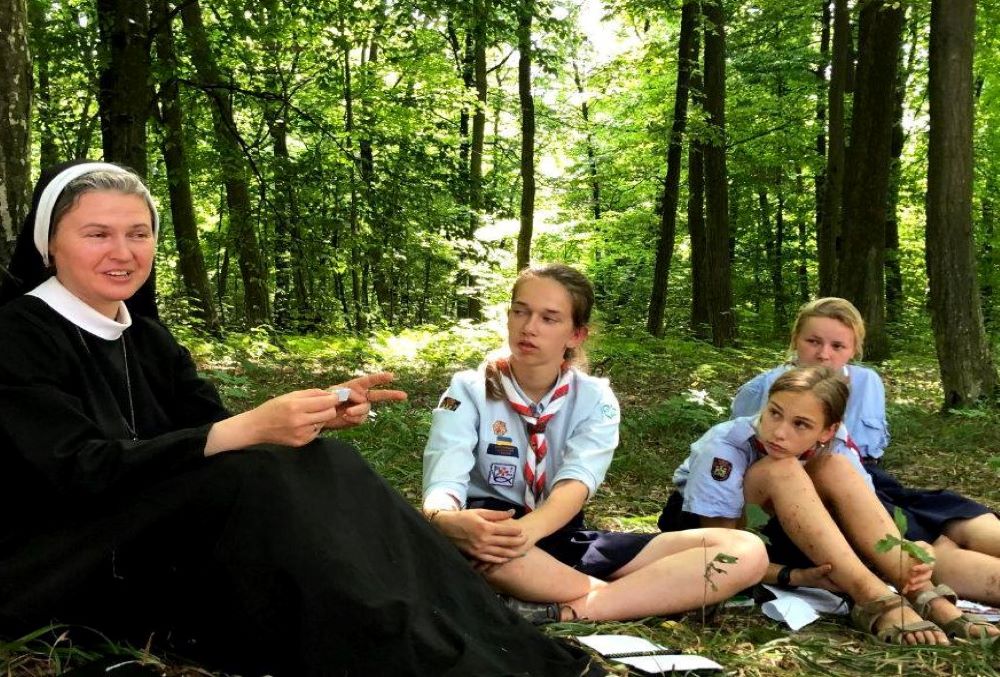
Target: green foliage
x=909 y=547
x=755 y=519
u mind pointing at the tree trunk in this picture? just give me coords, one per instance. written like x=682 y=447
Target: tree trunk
x=823 y=93
x=242 y=234
x=893 y=274
x=38 y=29
x=988 y=263
x=700 y=323
x=526 y=11
x=967 y=371
x=668 y=214
x=191 y=262
x=293 y=308
x=829 y=222
x=15 y=124
x=595 y=184
x=866 y=186
x=480 y=17
x=125 y=95
x=358 y=286
x=777 y=266
x=759 y=261
x=719 y=287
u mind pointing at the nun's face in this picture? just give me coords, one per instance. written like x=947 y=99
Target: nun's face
x=103 y=248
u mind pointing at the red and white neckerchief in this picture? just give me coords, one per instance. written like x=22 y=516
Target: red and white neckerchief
x=535 y=462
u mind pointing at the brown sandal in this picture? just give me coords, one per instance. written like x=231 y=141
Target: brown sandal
x=867 y=614
x=957 y=627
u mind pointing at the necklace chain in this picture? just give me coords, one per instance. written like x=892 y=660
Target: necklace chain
x=128 y=388
x=128 y=385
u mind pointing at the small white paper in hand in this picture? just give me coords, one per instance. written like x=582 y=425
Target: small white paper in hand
x=343 y=394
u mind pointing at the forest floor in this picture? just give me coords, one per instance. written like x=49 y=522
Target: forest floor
x=671 y=390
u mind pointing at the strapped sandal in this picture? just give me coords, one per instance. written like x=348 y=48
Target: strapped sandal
x=957 y=627
x=866 y=615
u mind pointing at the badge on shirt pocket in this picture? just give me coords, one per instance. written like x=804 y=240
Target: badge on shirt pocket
x=504 y=446
x=502 y=474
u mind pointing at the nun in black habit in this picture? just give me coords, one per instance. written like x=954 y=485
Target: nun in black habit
x=135 y=504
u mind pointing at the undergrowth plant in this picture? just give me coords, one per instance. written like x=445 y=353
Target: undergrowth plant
x=755 y=519
x=711 y=569
x=906 y=547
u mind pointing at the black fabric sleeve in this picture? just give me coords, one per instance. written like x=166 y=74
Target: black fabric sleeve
x=50 y=417
x=190 y=400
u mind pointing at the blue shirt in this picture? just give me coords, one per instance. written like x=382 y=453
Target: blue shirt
x=711 y=477
x=476 y=445
x=864 y=418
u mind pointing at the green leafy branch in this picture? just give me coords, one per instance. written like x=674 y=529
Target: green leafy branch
x=889 y=541
x=711 y=569
x=908 y=547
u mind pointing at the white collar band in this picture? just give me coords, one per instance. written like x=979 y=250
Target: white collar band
x=74 y=309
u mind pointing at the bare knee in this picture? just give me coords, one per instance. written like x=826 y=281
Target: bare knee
x=963 y=531
x=829 y=469
x=768 y=476
x=749 y=551
x=831 y=474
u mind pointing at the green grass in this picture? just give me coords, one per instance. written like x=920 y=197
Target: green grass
x=671 y=391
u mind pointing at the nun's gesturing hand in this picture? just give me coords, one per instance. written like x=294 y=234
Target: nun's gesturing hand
x=298 y=417
x=357 y=397
x=293 y=419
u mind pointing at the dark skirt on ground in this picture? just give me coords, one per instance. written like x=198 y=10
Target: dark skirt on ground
x=928 y=511
x=594 y=552
x=287 y=562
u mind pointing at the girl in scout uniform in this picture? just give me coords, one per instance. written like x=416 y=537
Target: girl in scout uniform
x=793 y=462
x=516 y=449
x=965 y=534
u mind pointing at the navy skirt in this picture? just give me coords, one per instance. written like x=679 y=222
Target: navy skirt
x=780 y=548
x=593 y=552
x=928 y=511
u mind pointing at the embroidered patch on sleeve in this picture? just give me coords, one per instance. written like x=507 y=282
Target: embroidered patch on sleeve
x=502 y=474
x=721 y=469
x=449 y=403
x=499 y=427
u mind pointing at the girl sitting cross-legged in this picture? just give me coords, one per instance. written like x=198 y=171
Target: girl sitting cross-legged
x=518 y=447
x=791 y=461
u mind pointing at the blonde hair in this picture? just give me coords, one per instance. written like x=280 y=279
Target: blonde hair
x=834 y=308
x=825 y=384
x=581 y=294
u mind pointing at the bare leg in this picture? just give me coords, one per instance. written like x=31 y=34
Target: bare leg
x=981 y=534
x=859 y=513
x=783 y=488
x=865 y=521
x=973 y=575
x=666 y=577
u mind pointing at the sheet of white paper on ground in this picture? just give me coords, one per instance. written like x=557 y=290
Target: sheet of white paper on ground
x=799 y=607
x=992 y=614
x=619 y=647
